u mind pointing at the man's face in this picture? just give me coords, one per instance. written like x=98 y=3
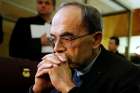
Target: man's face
x=66 y=26
x=45 y=7
x=112 y=46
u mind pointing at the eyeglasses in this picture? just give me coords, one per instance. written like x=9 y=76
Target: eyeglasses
x=66 y=40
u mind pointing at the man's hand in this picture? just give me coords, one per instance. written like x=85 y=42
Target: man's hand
x=41 y=84
x=61 y=78
x=42 y=81
x=58 y=70
x=44 y=40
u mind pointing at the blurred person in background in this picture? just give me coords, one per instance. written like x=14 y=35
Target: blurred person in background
x=21 y=44
x=113 y=45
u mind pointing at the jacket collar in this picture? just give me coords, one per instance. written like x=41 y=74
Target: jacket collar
x=99 y=67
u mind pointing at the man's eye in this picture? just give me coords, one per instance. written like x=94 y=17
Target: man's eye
x=40 y=2
x=52 y=39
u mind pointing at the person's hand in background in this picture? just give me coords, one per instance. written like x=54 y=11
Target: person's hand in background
x=44 y=40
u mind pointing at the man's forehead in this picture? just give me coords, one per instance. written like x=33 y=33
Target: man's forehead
x=64 y=28
x=71 y=29
x=72 y=8
x=67 y=15
x=67 y=19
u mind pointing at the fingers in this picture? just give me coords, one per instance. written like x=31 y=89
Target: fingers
x=55 y=68
x=61 y=57
x=45 y=66
x=41 y=73
x=42 y=68
x=48 y=62
x=54 y=59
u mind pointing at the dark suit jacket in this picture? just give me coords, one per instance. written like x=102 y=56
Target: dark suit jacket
x=21 y=44
x=110 y=74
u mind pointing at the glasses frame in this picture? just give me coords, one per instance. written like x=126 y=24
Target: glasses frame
x=52 y=43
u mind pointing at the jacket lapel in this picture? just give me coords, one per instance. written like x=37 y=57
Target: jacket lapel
x=98 y=69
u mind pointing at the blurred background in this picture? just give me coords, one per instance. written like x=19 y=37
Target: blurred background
x=121 y=18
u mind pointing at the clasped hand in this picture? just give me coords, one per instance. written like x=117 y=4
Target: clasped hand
x=57 y=68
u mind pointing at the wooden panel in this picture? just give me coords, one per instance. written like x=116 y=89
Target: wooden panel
x=12 y=11
x=115 y=25
x=136 y=22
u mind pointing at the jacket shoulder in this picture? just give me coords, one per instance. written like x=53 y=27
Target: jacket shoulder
x=27 y=19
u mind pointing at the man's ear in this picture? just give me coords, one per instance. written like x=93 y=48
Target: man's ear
x=97 y=38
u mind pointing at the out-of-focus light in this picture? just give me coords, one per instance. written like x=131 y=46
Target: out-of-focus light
x=137 y=51
x=132 y=4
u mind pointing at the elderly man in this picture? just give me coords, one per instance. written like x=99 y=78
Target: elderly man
x=80 y=64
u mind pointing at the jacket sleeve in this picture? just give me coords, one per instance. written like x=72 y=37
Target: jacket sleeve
x=17 y=40
x=15 y=44
x=22 y=44
x=36 y=49
x=44 y=91
x=20 y=41
x=74 y=90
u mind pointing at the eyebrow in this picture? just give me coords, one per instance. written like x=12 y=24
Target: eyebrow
x=64 y=34
x=67 y=34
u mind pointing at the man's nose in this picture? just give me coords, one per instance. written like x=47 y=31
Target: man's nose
x=59 y=47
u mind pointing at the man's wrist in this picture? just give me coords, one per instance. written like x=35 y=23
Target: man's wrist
x=35 y=89
x=68 y=88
